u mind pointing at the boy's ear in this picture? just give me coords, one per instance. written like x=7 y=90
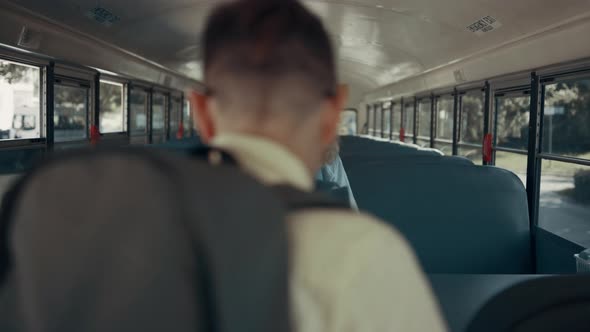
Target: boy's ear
x=202 y=115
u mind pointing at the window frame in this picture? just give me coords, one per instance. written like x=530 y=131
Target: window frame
x=356 y=118
x=125 y=83
x=86 y=77
x=508 y=92
x=173 y=132
x=404 y=104
x=386 y=134
x=460 y=113
x=395 y=132
x=378 y=120
x=437 y=98
x=76 y=83
x=156 y=90
x=370 y=120
x=43 y=64
x=554 y=79
x=148 y=90
x=417 y=123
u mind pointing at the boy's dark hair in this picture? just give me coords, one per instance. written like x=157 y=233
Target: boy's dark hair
x=268 y=40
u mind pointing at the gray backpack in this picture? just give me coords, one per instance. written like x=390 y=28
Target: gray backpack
x=132 y=240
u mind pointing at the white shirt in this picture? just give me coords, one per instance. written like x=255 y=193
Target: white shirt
x=350 y=271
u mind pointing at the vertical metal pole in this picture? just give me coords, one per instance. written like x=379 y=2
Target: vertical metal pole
x=534 y=165
x=402 y=107
x=129 y=87
x=167 y=116
x=432 y=119
x=50 y=106
x=456 y=123
x=382 y=118
x=367 y=117
x=487 y=116
x=391 y=122
x=150 y=132
x=96 y=117
x=182 y=104
x=414 y=138
x=374 y=120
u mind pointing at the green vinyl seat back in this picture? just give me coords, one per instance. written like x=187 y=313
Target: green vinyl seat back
x=459 y=218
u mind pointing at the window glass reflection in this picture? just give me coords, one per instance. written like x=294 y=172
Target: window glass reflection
x=70 y=119
x=564 y=206
x=20 y=94
x=424 y=118
x=566 y=122
x=159 y=118
x=514 y=162
x=112 y=110
x=175 y=114
x=378 y=122
x=513 y=121
x=446 y=148
x=187 y=119
x=409 y=120
x=348 y=123
x=472 y=117
x=386 y=122
x=425 y=143
x=396 y=120
x=472 y=153
x=139 y=104
x=444 y=118
x=371 y=121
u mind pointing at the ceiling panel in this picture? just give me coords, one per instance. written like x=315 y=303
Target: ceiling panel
x=378 y=42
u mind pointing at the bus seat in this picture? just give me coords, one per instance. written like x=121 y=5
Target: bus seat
x=476 y=220
x=461 y=296
x=182 y=144
x=540 y=305
x=20 y=160
x=394 y=160
x=360 y=145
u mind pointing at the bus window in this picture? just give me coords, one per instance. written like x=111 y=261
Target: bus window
x=566 y=122
x=187 y=119
x=138 y=109
x=378 y=120
x=175 y=116
x=512 y=122
x=424 y=122
x=444 y=124
x=20 y=87
x=409 y=122
x=371 y=120
x=112 y=110
x=348 y=121
x=159 y=117
x=564 y=206
x=471 y=126
x=396 y=120
x=387 y=120
x=70 y=118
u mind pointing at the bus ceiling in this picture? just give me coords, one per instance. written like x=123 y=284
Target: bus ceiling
x=385 y=47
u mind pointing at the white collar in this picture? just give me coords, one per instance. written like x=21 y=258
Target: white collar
x=266 y=160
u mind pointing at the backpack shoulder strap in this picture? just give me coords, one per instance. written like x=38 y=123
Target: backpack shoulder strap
x=212 y=155
x=295 y=199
